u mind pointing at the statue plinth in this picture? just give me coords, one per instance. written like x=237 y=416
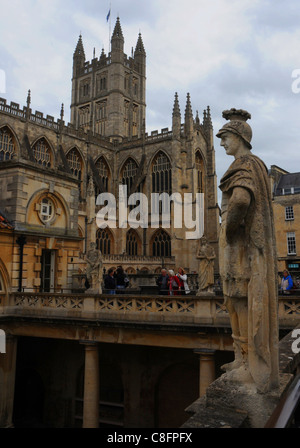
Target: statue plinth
x=205 y=293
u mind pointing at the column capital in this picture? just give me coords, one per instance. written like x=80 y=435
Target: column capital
x=204 y=351
x=88 y=343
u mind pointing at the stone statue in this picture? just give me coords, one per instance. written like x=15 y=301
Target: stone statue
x=206 y=256
x=94 y=270
x=248 y=260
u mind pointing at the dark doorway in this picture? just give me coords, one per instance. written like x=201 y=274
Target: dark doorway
x=29 y=400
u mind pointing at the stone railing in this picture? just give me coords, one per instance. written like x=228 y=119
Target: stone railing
x=136 y=258
x=205 y=310
x=119 y=307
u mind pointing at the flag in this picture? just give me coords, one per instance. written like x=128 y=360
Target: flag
x=108 y=16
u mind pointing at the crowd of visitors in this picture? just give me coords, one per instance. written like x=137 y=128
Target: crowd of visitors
x=173 y=284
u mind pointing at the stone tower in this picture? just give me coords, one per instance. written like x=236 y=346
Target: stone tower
x=108 y=94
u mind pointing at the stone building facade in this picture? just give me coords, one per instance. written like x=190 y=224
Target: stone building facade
x=286 y=206
x=51 y=173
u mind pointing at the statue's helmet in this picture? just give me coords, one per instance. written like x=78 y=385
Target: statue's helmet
x=237 y=125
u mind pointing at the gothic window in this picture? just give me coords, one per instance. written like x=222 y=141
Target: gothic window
x=84 y=117
x=126 y=118
x=199 y=172
x=85 y=89
x=134 y=120
x=161 y=244
x=7 y=147
x=100 y=118
x=135 y=86
x=161 y=174
x=74 y=161
x=128 y=174
x=104 y=173
x=104 y=241
x=103 y=83
x=42 y=151
x=132 y=243
x=126 y=82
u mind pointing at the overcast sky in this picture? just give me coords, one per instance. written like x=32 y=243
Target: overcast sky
x=225 y=53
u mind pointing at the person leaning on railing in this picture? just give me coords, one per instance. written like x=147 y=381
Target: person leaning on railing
x=110 y=282
x=286 y=282
x=184 y=287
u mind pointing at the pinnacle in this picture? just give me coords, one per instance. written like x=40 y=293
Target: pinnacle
x=79 y=51
x=140 y=46
x=118 y=30
x=176 y=108
x=188 y=109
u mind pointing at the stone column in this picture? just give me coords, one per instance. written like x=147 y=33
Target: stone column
x=91 y=386
x=7 y=381
x=207 y=369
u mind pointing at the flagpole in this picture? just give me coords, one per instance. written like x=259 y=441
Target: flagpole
x=109 y=42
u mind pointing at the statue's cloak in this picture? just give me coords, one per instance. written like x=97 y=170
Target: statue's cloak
x=248 y=267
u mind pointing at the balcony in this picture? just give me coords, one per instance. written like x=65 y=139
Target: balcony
x=187 y=310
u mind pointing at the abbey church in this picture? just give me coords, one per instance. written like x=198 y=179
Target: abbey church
x=70 y=356
x=75 y=358
x=51 y=173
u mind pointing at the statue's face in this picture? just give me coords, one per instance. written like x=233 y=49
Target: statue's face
x=231 y=143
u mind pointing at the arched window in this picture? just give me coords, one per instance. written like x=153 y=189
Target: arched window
x=104 y=174
x=101 y=117
x=161 y=244
x=128 y=173
x=161 y=174
x=199 y=172
x=7 y=147
x=75 y=164
x=133 y=243
x=42 y=153
x=104 y=241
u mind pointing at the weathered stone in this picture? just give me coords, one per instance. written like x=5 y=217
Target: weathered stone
x=248 y=260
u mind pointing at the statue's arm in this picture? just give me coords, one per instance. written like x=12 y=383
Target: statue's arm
x=237 y=210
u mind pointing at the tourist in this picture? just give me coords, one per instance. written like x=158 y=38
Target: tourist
x=162 y=282
x=184 y=287
x=110 y=282
x=173 y=284
x=286 y=283
x=120 y=279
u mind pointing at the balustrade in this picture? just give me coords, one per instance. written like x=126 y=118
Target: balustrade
x=173 y=309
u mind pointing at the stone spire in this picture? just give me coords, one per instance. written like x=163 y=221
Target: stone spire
x=139 y=49
x=62 y=112
x=207 y=125
x=117 y=43
x=102 y=59
x=118 y=30
x=188 y=119
x=28 y=110
x=79 y=50
x=28 y=99
x=176 y=122
x=78 y=57
x=176 y=108
x=209 y=122
x=140 y=56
